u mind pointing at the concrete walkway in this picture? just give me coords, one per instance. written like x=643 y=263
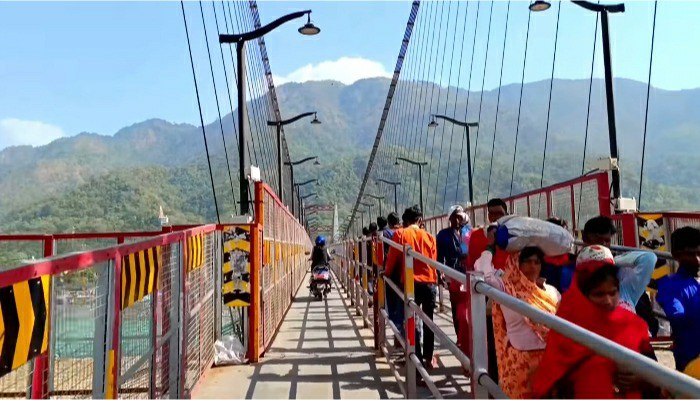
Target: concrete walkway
x=321 y=351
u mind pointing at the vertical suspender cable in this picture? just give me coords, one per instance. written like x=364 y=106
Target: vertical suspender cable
x=447 y=99
x=520 y=103
x=483 y=82
x=199 y=106
x=588 y=116
x=216 y=98
x=469 y=88
x=549 y=102
x=646 y=113
x=454 y=110
x=498 y=100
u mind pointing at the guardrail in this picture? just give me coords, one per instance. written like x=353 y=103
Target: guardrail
x=139 y=319
x=482 y=385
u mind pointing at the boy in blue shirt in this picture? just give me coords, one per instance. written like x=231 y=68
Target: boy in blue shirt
x=679 y=296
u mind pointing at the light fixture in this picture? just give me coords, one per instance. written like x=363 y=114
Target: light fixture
x=433 y=123
x=309 y=28
x=397 y=162
x=315 y=121
x=540 y=5
x=317 y=162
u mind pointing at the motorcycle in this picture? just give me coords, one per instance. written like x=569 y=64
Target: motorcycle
x=320 y=282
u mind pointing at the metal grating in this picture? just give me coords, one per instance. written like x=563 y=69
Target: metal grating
x=79 y=306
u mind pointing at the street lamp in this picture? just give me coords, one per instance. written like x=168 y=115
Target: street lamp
x=240 y=40
x=291 y=165
x=609 y=98
x=466 y=126
x=295 y=189
x=394 y=184
x=279 y=125
x=379 y=199
x=420 y=176
x=369 y=209
x=309 y=195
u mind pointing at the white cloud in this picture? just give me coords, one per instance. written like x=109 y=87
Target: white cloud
x=347 y=70
x=15 y=132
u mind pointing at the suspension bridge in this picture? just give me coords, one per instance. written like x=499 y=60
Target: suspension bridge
x=142 y=314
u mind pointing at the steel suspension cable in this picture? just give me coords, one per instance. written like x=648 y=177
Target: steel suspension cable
x=454 y=109
x=406 y=116
x=422 y=128
x=646 y=112
x=416 y=140
x=223 y=64
x=520 y=103
x=415 y=117
x=201 y=115
x=259 y=117
x=216 y=98
x=251 y=122
x=590 y=92
x=437 y=108
x=469 y=88
x=498 y=100
x=481 y=97
x=549 y=102
x=588 y=115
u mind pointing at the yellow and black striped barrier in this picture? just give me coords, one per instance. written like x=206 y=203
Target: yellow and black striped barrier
x=194 y=257
x=236 y=267
x=139 y=275
x=24 y=322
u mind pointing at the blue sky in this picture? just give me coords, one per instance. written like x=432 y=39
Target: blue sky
x=68 y=67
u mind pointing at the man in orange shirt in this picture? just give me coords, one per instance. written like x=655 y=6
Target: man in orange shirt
x=424 y=276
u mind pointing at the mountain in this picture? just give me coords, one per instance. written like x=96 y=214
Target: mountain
x=159 y=162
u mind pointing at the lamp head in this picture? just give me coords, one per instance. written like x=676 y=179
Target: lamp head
x=540 y=5
x=315 y=121
x=433 y=123
x=317 y=162
x=309 y=29
x=397 y=162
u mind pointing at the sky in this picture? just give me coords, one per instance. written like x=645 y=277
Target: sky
x=70 y=67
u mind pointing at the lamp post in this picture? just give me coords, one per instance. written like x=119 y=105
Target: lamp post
x=279 y=125
x=369 y=209
x=308 y=195
x=240 y=40
x=420 y=176
x=394 y=184
x=291 y=165
x=466 y=126
x=296 y=190
x=362 y=216
x=379 y=199
x=604 y=10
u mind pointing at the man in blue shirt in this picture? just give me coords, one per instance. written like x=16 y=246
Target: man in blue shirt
x=679 y=296
x=452 y=250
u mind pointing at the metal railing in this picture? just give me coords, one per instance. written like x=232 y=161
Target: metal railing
x=139 y=319
x=482 y=385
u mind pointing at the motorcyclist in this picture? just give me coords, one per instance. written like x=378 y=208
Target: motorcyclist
x=320 y=256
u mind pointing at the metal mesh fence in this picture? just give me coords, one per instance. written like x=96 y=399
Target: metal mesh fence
x=166 y=310
x=136 y=349
x=200 y=315
x=79 y=308
x=16 y=384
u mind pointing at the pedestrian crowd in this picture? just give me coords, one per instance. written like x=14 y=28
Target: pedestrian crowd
x=587 y=285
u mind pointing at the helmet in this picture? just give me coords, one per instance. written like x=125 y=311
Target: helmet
x=320 y=240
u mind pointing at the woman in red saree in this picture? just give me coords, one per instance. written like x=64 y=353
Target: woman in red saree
x=571 y=370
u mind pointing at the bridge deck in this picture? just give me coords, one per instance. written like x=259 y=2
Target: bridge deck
x=322 y=351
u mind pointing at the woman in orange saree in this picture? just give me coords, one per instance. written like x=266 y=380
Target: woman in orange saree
x=520 y=342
